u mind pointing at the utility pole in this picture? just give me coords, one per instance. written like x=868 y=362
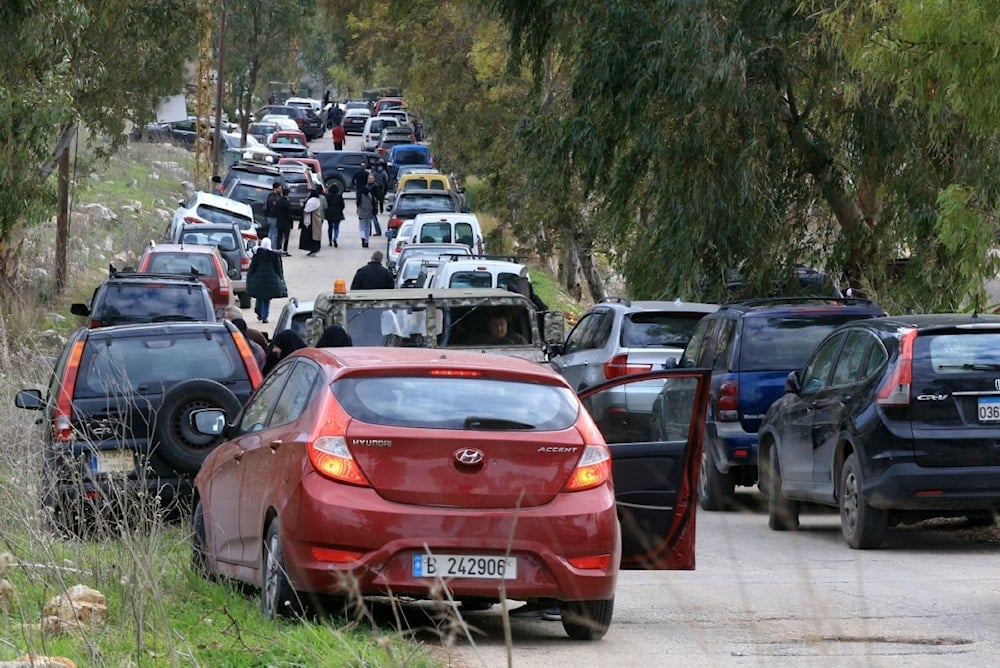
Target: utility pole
x=220 y=62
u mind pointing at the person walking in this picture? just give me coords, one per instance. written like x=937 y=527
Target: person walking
x=366 y=210
x=360 y=178
x=283 y=217
x=284 y=343
x=334 y=336
x=334 y=214
x=338 y=135
x=311 y=238
x=266 y=279
x=270 y=213
x=372 y=190
x=372 y=276
x=382 y=184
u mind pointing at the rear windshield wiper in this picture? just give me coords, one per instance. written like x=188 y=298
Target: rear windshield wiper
x=978 y=366
x=474 y=422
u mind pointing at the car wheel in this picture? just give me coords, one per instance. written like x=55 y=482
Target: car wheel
x=862 y=525
x=199 y=559
x=177 y=440
x=715 y=489
x=278 y=598
x=782 y=513
x=587 y=620
x=244 y=299
x=984 y=518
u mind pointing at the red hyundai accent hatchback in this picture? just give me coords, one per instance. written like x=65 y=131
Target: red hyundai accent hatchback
x=401 y=471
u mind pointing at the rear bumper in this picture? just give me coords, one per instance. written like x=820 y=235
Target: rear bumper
x=908 y=486
x=390 y=534
x=731 y=445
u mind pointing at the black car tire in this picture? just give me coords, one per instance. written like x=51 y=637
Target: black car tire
x=715 y=489
x=984 y=518
x=782 y=512
x=277 y=597
x=244 y=299
x=587 y=620
x=177 y=441
x=199 y=559
x=862 y=525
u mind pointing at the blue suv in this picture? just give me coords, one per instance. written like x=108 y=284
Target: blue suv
x=751 y=346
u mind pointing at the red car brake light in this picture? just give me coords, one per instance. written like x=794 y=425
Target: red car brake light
x=395 y=222
x=244 y=263
x=249 y=362
x=331 y=458
x=191 y=218
x=593 y=469
x=62 y=419
x=728 y=403
x=895 y=391
x=618 y=366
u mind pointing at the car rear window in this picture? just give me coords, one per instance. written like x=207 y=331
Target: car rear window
x=216 y=215
x=181 y=263
x=471 y=279
x=658 y=330
x=115 y=363
x=959 y=353
x=123 y=304
x=246 y=192
x=411 y=157
x=437 y=402
x=424 y=204
x=785 y=342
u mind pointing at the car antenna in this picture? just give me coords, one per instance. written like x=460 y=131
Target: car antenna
x=975 y=309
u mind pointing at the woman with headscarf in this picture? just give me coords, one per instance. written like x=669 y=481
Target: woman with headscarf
x=266 y=279
x=312 y=220
x=334 y=336
x=283 y=344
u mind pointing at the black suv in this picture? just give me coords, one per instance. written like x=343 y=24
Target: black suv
x=339 y=167
x=751 y=346
x=892 y=420
x=312 y=126
x=128 y=297
x=117 y=414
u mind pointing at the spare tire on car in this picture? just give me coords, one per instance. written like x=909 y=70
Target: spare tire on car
x=177 y=441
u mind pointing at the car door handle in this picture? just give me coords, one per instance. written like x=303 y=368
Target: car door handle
x=238 y=455
x=274 y=445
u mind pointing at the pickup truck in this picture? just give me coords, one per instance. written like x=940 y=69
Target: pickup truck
x=439 y=318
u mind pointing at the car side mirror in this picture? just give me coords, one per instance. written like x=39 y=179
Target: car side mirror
x=792 y=384
x=671 y=363
x=180 y=204
x=79 y=309
x=227 y=245
x=388 y=206
x=209 y=421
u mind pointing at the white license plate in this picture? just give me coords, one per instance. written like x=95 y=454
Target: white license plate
x=464 y=566
x=989 y=409
x=112 y=461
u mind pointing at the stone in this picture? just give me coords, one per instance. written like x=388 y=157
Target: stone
x=99 y=212
x=35 y=661
x=79 y=608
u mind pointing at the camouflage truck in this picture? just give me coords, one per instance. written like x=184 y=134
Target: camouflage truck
x=439 y=318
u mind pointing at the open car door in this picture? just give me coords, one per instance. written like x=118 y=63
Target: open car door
x=653 y=424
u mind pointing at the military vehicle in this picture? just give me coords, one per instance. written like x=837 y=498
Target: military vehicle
x=439 y=318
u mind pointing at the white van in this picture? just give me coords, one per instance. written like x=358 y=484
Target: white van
x=373 y=130
x=475 y=273
x=448 y=228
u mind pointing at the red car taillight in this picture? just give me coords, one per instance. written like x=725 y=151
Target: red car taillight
x=619 y=366
x=895 y=391
x=728 y=404
x=243 y=346
x=395 y=222
x=244 y=263
x=331 y=458
x=190 y=218
x=593 y=469
x=62 y=418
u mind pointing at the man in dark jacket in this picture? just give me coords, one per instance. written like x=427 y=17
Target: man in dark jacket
x=372 y=276
x=360 y=179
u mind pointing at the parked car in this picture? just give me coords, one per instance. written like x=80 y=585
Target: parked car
x=266 y=171
x=339 y=167
x=116 y=416
x=306 y=102
x=203 y=207
x=751 y=346
x=294 y=315
x=354 y=120
x=619 y=337
x=412 y=202
x=478 y=272
x=301 y=182
x=309 y=123
x=394 y=136
x=385 y=103
x=402 y=473
x=407 y=154
x=394 y=246
x=400 y=114
x=289 y=144
x=261 y=130
x=412 y=169
x=128 y=297
x=203 y=261
x=312 y=163
x=891 y=420
x=372 y=131
x=459 y=228
x=232 y=246
x=234 y=149
x=253 y=193
x=281 y=121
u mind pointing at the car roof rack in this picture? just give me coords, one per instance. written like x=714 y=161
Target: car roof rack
x=761 y=302
x=457 y=257
x=616 y=299
x=129 y=272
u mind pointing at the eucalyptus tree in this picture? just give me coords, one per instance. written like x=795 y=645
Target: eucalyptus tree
x=711 y=135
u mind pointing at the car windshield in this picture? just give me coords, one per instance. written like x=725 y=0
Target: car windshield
x=658 y=330
x=438 y=402
x=215 y=215
x=120 y=364
x=424 y=203
x=782 y=343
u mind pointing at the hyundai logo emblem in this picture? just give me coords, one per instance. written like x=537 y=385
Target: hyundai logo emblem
x=469 y=456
